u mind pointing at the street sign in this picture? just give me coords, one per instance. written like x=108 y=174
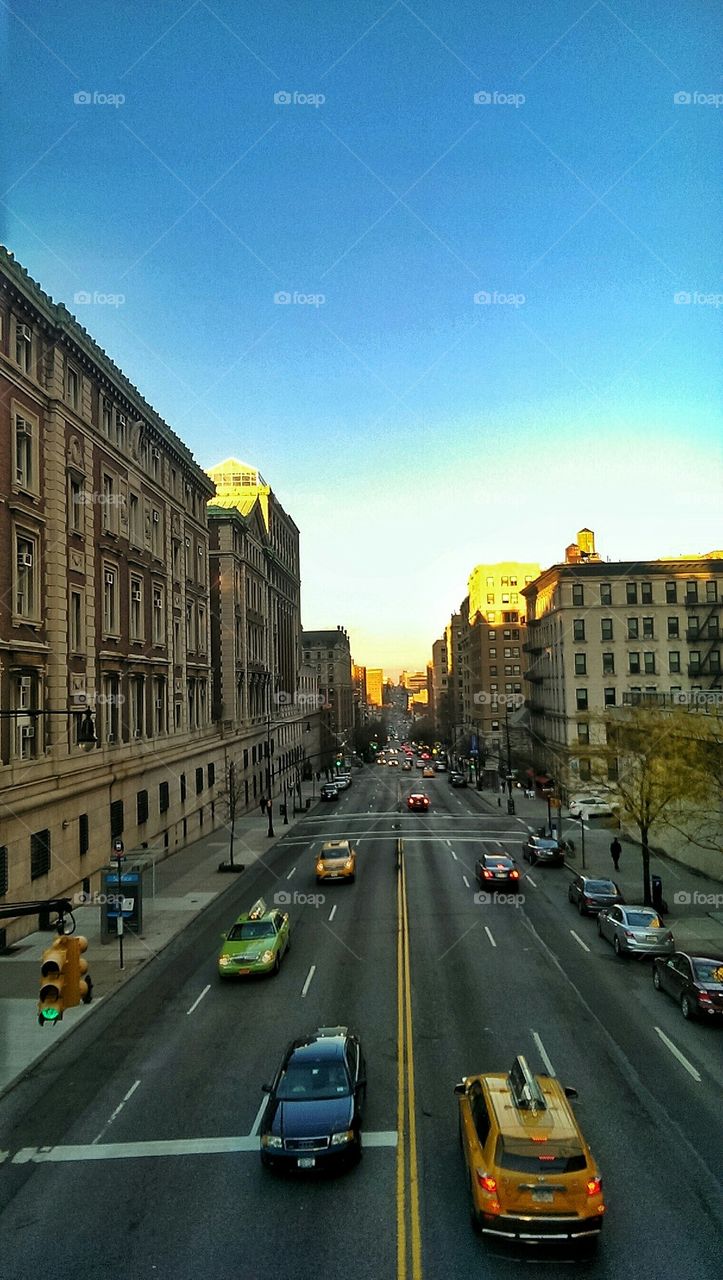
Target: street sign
x=555 y=802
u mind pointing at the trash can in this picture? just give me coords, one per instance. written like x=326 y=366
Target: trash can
x=656 y=893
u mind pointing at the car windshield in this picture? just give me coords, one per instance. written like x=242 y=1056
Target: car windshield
x=334 y=853
x=303 y=1080
x=251 y=929
x=643 y=920
x=523 y=1156
x=709 y=971
x=544 y=844
x=600 y=886
x=497 y=860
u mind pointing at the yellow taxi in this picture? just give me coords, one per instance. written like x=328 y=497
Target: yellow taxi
x=428 y=771
x=531 y=1176
x=336 y=861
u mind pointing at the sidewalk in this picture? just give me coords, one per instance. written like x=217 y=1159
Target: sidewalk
x=185 y=883
x=695 y=902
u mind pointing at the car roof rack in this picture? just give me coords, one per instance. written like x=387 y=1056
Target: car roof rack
x=258 y=910
x=526 y=1091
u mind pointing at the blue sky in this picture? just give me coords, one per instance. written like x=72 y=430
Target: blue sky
x=410 y=430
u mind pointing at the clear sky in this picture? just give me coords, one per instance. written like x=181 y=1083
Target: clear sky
x=410 y=430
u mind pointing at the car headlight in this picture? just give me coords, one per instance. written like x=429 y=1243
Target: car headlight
x=319 y=868
x=348 y=864
x=267 y=957
x=270 y=1140
x=223 y=961
x=338 y=1139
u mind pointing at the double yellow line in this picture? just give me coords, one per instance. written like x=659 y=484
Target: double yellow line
x=409 y=1240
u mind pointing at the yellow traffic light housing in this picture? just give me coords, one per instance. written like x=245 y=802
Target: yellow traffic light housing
x=63 y=980
x=53 y=980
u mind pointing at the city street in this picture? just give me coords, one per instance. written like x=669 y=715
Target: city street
x=134 y=1145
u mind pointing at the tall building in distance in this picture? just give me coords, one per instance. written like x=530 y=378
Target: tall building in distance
x=359 y=691
x=375 y=686
x=606 y=634
x=329 y=654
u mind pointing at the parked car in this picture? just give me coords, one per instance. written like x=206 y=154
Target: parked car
x=635 y=931
x=457 y=780
x=497 y=871
x=590 y=895
x=696 y=982
x=329 y=791
x=543 y=849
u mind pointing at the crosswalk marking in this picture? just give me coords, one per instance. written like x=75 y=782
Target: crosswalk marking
x=170 y=1147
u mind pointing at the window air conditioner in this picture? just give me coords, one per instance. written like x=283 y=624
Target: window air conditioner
x=156 y=517
x=27 y=731
x=136 y=595
x=25 y=332
x=156 y=455
x=25 y=682
x=25 y=560
x=110 y=579
x=120 y=419
x=110 y=737
x=159 y=704
x=137 y=733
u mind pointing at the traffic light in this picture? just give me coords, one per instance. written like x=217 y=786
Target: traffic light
x=62 y=979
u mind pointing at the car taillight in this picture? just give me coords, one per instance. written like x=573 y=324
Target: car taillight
x=703 y=997
x=669 y=936
x=486 y=1182
x=487 y=875
x=514 y=875
x=594 y=1185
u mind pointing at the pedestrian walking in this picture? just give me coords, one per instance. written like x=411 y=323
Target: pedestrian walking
x=262 y=804
x=615 y=850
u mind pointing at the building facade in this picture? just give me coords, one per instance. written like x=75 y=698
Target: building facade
x=375 y=686
x=606 y=634
x=104 y=608
x=328 y=653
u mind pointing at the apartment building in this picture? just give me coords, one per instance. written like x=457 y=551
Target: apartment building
x=375 y=686
x=103 y=608
x=359 y=693
x=438 y=699
x=329 y=654
x=603 y=634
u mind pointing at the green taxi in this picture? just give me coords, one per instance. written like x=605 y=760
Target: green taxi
x=255 y=943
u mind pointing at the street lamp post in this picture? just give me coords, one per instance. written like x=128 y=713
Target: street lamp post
x=510 y=801
x=269 y=778
x=479 y=759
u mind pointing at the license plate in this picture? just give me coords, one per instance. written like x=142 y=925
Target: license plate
x=500 y=875
x=543 y=1195
x=243 y=971
x=306 y=1162
x=333 y=875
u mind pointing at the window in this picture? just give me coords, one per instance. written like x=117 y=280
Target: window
x=580 y=664
x=26 y=576
x=157 y=533
x=585 y=770
x=110 y=599
x=25 y=439
x=76 y=498
x=187 y=557
x=606 y=593
x=134 y=519
x=3 y=870
x=608 y=664
x=159 y=704
x=24 y=346
x=633 y=628
x=673 y=629
x=158 y=621
x=674 y=662
x=578 y=629
x=634 y=664
x=646 y=593
x=201 y=644
x=671 y=593
x=606 y=628
x=609 y=697
x=200 y=562
x=493 y=652
x=190 y=645
x=631 y=592
x=714 y=660
x=648 y=630
x=211 y=771
x=163 y=797
x=109 y=504
x=583 y=731
x=649 y=664
x=83 y=835
x=75 y=622
x=72 y=387
x=106 y=417
x=691 y=592
x=578 y=595
x=581 y=699
x=182 y=781
x=136 y=608
x=141 y=807
x=199 y=781
x=711 y=591
x=694 y=661
x=116 y=819
x=490 y=597
x=155 y=462
x=137 y=716
x=39 y=854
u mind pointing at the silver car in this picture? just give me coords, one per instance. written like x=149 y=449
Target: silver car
x=635 y=931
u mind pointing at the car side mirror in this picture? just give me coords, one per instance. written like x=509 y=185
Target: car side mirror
x=266 y=1088
x=569 y=1091
x=461 y=1087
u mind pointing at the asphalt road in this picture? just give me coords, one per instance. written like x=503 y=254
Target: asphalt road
x=178 y=1059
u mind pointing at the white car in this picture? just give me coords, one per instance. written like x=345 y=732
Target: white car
x=582 y=802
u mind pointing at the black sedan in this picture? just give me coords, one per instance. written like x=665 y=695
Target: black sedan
x=329 y=791
x=696 y=982
x=457 y=780
x=497 y=871
x=591 y=895
x=543 y=849
x=313 y=1116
